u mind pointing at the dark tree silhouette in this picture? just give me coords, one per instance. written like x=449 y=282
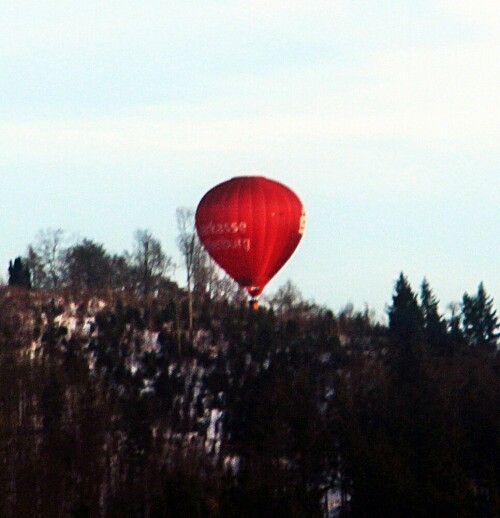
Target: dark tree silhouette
x=406 y=321
x=480 y=322
x=433 y=323
x=19 y=273
x=88 y=266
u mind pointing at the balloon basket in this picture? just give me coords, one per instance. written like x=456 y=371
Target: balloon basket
x=254 y=304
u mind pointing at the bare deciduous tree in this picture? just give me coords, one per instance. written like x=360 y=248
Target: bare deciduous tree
x=45 y=258
x=286 y=298
x=190 y=249
x=203 y=276
x=149 y=260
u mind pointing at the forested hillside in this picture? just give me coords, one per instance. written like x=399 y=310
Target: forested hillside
x=125 y=395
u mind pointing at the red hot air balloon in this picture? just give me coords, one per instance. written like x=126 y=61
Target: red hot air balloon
x=251 y=226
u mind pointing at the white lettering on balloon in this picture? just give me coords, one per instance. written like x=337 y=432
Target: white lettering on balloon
x=227 y=244
x=217 y=229
x=225 y=234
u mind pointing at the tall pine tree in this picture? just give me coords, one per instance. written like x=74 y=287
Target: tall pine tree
x=480 y=322
x=433 y=323
x=19 y=273
x=406 y=321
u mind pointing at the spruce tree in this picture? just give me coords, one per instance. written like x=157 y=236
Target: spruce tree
x=405 y=316
x=434 y=325
x=480 y=322
x=454 y=326
x=19 y=273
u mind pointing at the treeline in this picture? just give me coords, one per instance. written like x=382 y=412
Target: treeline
x=51 y=263
x=133 y=402
x=421 y=422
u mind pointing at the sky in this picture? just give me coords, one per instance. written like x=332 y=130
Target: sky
x=382 y=116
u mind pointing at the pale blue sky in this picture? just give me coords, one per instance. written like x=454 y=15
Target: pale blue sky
x=383 y=117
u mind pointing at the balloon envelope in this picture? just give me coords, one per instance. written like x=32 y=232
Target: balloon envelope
x=251 y=226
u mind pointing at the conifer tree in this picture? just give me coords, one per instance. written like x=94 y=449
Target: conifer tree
x=19 y=273
x=454 y=325
x=434 y=325
x=480 y=322
x=405 y=316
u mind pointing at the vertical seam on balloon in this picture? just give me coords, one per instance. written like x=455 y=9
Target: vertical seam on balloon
x=289 y=239
x=238 y=219
x=253 y=197
x=265 y=264
x=228 y=194
x=292 y=239
x=282 y=239
x=263 y=191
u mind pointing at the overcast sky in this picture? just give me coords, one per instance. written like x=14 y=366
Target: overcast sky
x=383 y=116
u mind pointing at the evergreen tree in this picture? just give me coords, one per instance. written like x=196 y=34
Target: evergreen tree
x=405 y=316
x=434 y=325
x=19 y=273
x=480 y=322
x=454 y=324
